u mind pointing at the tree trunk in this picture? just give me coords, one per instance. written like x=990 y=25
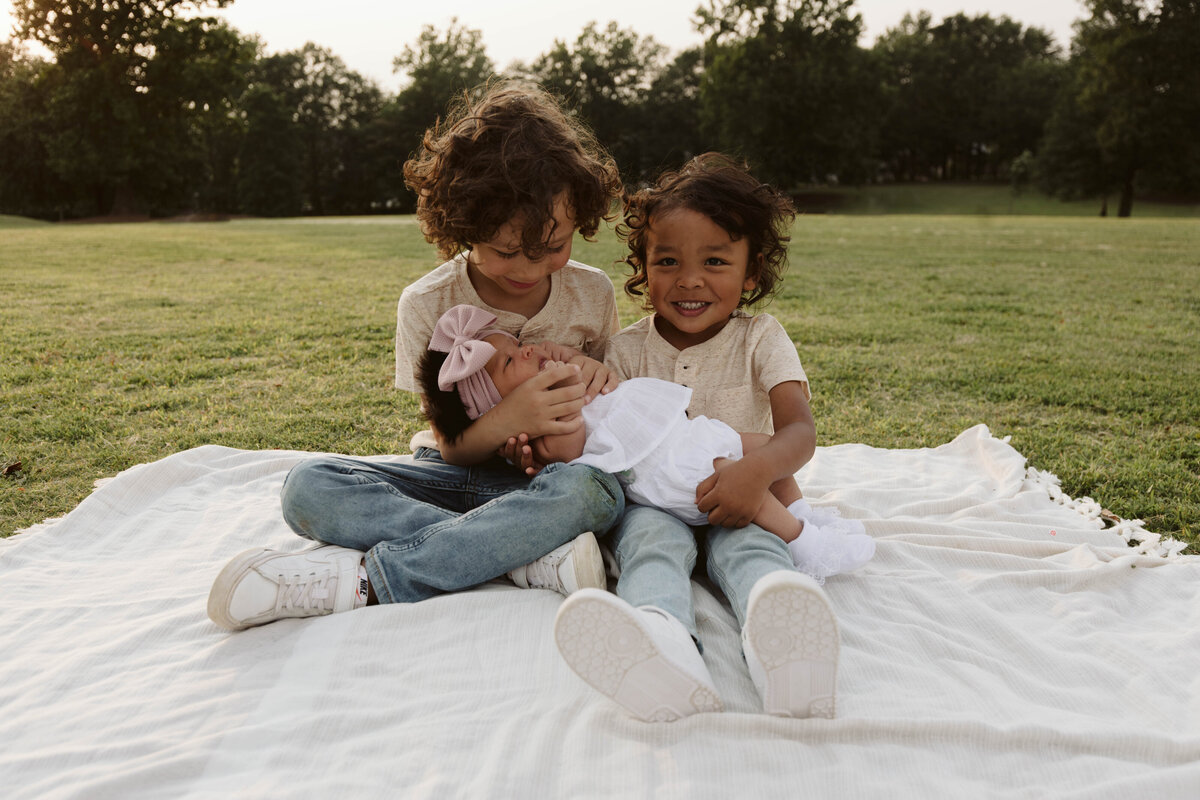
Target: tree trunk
x=124 y=199
x=1126 y=207
x=1104 y=206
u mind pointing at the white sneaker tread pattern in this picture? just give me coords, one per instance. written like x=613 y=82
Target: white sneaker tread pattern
x=795 y=636
x=611 y=652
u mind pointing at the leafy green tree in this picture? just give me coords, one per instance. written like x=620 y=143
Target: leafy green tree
x=100 y=113
x=438 y=67
x=331 y=109
x=964 y=97
x=1131 y=110
x=1025 y=95
x=269 y=155
x=1177 y=169
x=670 y=130
x=199 y=70
x=605 y=75
x=1070 y=162
x=787 y=86
x=27 y=185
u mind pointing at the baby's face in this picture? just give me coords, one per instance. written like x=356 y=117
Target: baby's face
x=512 y=364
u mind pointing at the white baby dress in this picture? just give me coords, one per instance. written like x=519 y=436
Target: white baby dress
x=640 y=432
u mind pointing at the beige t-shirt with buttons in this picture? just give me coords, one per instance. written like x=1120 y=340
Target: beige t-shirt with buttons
x=581 y=312
x=730 y=375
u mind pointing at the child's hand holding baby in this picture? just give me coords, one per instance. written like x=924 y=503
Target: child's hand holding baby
x=556 y=393
x=570 y=369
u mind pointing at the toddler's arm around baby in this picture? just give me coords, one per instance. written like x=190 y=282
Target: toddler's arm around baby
x=548 y=403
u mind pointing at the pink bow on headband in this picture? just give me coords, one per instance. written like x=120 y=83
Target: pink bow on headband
x=459 y=332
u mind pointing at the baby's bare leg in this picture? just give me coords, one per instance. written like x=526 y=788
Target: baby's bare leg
x=786 y=490
x=773 y=516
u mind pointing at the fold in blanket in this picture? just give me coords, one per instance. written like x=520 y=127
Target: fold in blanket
x=1001 y=643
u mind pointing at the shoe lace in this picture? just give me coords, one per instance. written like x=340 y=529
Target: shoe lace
x=543 y=573
x=305 y=592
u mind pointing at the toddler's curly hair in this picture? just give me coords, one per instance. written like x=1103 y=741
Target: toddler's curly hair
x=505 y=150
x=722 y=189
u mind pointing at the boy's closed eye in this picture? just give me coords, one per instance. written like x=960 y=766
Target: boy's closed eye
x=511 y=254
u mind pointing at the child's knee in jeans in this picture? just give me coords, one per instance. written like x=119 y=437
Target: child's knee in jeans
x=650 y=531
x=300 y=494
x=598 y=493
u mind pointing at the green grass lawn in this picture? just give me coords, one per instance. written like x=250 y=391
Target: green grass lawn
x=973 y=198
x=9 y=221
x=1077 y=337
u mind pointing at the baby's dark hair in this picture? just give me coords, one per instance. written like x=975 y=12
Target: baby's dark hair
x=722 y=189
x=444 y=410
x=506 y=149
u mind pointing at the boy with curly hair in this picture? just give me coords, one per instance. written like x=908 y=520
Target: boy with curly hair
x=503 y=183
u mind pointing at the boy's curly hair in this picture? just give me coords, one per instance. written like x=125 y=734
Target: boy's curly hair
x=507 y=149
x=722 y=189
x=444 y=410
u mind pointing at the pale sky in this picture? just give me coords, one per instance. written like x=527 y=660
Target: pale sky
x=368 y=34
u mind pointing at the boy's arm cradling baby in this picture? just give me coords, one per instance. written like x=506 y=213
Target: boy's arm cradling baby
x=472 y=373
x=546 y=404
x=562 y=447
x=522 y=449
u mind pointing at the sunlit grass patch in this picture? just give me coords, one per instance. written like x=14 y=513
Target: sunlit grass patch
x=1077 y=337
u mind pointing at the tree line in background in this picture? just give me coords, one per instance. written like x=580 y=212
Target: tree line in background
x=147 y=106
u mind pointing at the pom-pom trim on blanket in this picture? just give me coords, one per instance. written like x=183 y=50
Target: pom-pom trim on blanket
x=1131 y=530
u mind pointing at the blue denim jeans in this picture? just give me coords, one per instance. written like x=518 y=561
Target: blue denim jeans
x=428 y=527
x=657 y=553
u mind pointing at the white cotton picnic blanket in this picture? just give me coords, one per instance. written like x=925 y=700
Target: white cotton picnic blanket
x=1000 y=644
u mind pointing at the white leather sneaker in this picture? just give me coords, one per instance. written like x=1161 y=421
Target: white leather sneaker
x=790 y=640
x=261 y=585
x=643 y=658
x=574 y=566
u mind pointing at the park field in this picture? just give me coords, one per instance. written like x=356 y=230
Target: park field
x=978 y=198
x=1078 y=337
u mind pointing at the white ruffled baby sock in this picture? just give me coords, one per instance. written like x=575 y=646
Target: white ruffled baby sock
x=828 y=544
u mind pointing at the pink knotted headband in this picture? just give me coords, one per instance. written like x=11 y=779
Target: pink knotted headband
x=459 y=332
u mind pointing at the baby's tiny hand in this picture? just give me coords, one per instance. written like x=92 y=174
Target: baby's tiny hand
x=513 y=449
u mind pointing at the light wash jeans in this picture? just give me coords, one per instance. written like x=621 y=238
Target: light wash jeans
x=428 y=527
x=657 y=552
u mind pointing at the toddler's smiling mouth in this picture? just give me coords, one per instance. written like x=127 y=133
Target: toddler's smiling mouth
x=691 y=306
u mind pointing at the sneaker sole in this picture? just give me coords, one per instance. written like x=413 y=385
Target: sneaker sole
x=227 y=580
x=795 y=637
x=612 y=653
